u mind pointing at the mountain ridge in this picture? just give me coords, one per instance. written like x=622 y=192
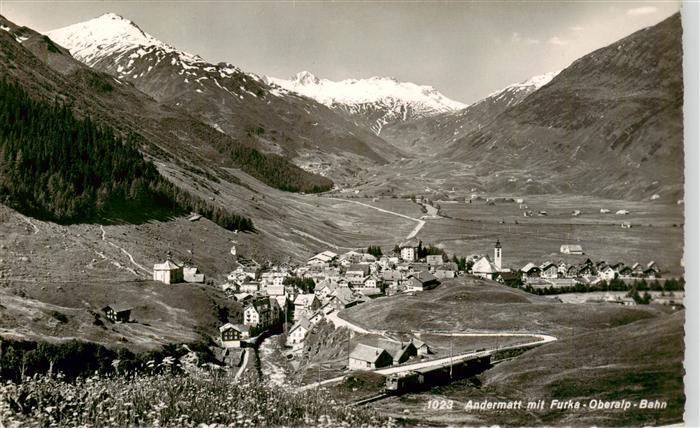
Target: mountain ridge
x=377 y=101
x=232 y=101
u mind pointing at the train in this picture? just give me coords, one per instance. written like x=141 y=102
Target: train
x=441 y=374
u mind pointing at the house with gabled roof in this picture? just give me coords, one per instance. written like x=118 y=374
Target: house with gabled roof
x=625 y=272
x=400 y=351
x=344 y=298
x=323 y=289
x=549 y=271
x=117 y=312
x=365 y=357
x=637 y=269
x=572 y=271
x=322 y=259
x=305 y=305
x=421 y=281
x=617 y=267
x=422 y=348
x=606 y=273
x=446 y=270
x=233 y=334
x=243 y=297
x=530 y=272
x=297 y=334
x=370 y=286
x=508 y=278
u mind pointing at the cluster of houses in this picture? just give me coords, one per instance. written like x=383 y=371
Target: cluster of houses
x=387 y=353
x=340 y=281
x=587 y=272
x=559 y=274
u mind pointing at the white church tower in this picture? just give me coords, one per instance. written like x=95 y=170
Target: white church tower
x=497 y=254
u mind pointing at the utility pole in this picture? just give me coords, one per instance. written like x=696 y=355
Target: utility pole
x=349 y=334
x=451 y=348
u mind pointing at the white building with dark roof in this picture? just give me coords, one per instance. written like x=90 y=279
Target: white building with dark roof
x=297 y=334
x=168 y=272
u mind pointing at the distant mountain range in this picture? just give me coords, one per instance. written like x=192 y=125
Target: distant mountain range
x=373 y=102
x=609 y=125
x=234 y=102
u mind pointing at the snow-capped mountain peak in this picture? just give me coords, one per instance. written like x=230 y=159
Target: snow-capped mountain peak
x=107 y=35
x=530 y=85
x=306 y=78
x=379 y=100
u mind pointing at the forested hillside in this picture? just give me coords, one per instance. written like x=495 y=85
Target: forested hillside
x=57 y=167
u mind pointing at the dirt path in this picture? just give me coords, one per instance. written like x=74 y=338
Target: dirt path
x=244 y=364
x=306 y=235
x=131 y=258
x=339 y=322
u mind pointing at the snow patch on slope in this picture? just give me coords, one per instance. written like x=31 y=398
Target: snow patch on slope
x=110 y=34
x=532 y=84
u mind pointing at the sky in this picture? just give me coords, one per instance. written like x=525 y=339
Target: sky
x=464 y=49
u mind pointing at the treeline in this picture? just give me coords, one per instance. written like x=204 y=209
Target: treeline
x=374 y=250
x=668 y=286
x=54 y=166
x=22 y=359
x=430 y=250
x=275 y=171
x=307 y=285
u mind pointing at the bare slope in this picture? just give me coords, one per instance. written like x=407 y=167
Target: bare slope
x=610 y=124
x=433 y=134
x=642 y=360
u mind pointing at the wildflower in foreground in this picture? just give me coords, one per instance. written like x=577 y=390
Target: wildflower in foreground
x=170 y=400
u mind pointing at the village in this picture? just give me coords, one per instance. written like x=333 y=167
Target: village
x=292 y=299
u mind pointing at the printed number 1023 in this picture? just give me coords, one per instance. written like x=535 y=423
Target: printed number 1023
x=440 y=404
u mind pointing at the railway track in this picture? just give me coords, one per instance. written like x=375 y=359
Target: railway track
x=369 y=400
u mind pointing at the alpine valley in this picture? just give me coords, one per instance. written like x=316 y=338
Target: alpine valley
x=122 y=157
